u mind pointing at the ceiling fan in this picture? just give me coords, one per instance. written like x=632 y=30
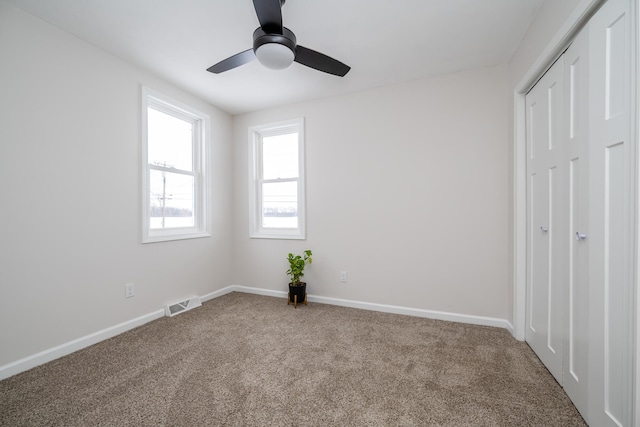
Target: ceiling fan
x=275 y=46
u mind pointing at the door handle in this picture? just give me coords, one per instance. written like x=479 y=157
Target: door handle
x=543 y=230
x=580 y=236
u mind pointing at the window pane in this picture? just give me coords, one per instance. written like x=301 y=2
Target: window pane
x=171 y=200
x=170 y=141
x=280 y=205
x=280 y=156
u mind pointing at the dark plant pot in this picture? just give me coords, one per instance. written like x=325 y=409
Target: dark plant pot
x=298 y=291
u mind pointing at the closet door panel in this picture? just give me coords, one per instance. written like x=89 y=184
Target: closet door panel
x=546 y=219
x=575 y=362
x=537 y=215
x=611 y=213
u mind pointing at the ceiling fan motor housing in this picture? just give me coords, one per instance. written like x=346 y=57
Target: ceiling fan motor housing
x=273 y=50
x=287 y=38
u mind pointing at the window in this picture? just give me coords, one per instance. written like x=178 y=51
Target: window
x=276 y=193
x=174 y=170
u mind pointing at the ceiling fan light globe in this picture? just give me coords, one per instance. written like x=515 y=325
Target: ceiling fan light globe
x=275 y=55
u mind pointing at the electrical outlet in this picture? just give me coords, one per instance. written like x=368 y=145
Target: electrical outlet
x=129 y=290
x=343 y=277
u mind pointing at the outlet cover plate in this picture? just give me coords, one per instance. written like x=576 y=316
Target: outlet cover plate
x=129 y=290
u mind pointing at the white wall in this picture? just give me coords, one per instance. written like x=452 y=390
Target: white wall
x=407 y=190
x=69 y=210
x=550 y=18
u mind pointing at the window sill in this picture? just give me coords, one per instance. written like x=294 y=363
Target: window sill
x=277 y=235
x=167 y=237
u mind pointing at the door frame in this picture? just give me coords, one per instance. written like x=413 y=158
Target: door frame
x=557 y=45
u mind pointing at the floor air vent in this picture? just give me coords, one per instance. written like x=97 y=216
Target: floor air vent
x=182 y=306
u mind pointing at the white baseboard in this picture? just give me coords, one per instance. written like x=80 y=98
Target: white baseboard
x=417 y=312
x=56 y=352
x=61 y=350
x=53 y=353
x=511 y=329
x=217 y=293
x=258 y=291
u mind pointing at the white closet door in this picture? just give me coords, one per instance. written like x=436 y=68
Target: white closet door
x=581 y=218
x=611 y=160
x=576 y=290
x=546 y=219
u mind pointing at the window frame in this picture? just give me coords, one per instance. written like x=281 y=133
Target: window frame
x=256 y=133
x=200 y=168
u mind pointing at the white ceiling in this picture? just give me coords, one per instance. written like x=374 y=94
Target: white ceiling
x=384 y=41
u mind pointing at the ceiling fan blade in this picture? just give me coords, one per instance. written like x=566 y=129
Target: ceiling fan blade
x=320 y=61
x=270 y=15
x=233 y=61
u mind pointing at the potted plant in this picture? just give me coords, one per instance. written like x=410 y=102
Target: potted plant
x=298 y=288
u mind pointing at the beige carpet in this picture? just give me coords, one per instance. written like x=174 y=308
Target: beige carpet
x=248 y=360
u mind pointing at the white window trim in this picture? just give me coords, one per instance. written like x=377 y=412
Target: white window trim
x=256 y=231
x=202 y=227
